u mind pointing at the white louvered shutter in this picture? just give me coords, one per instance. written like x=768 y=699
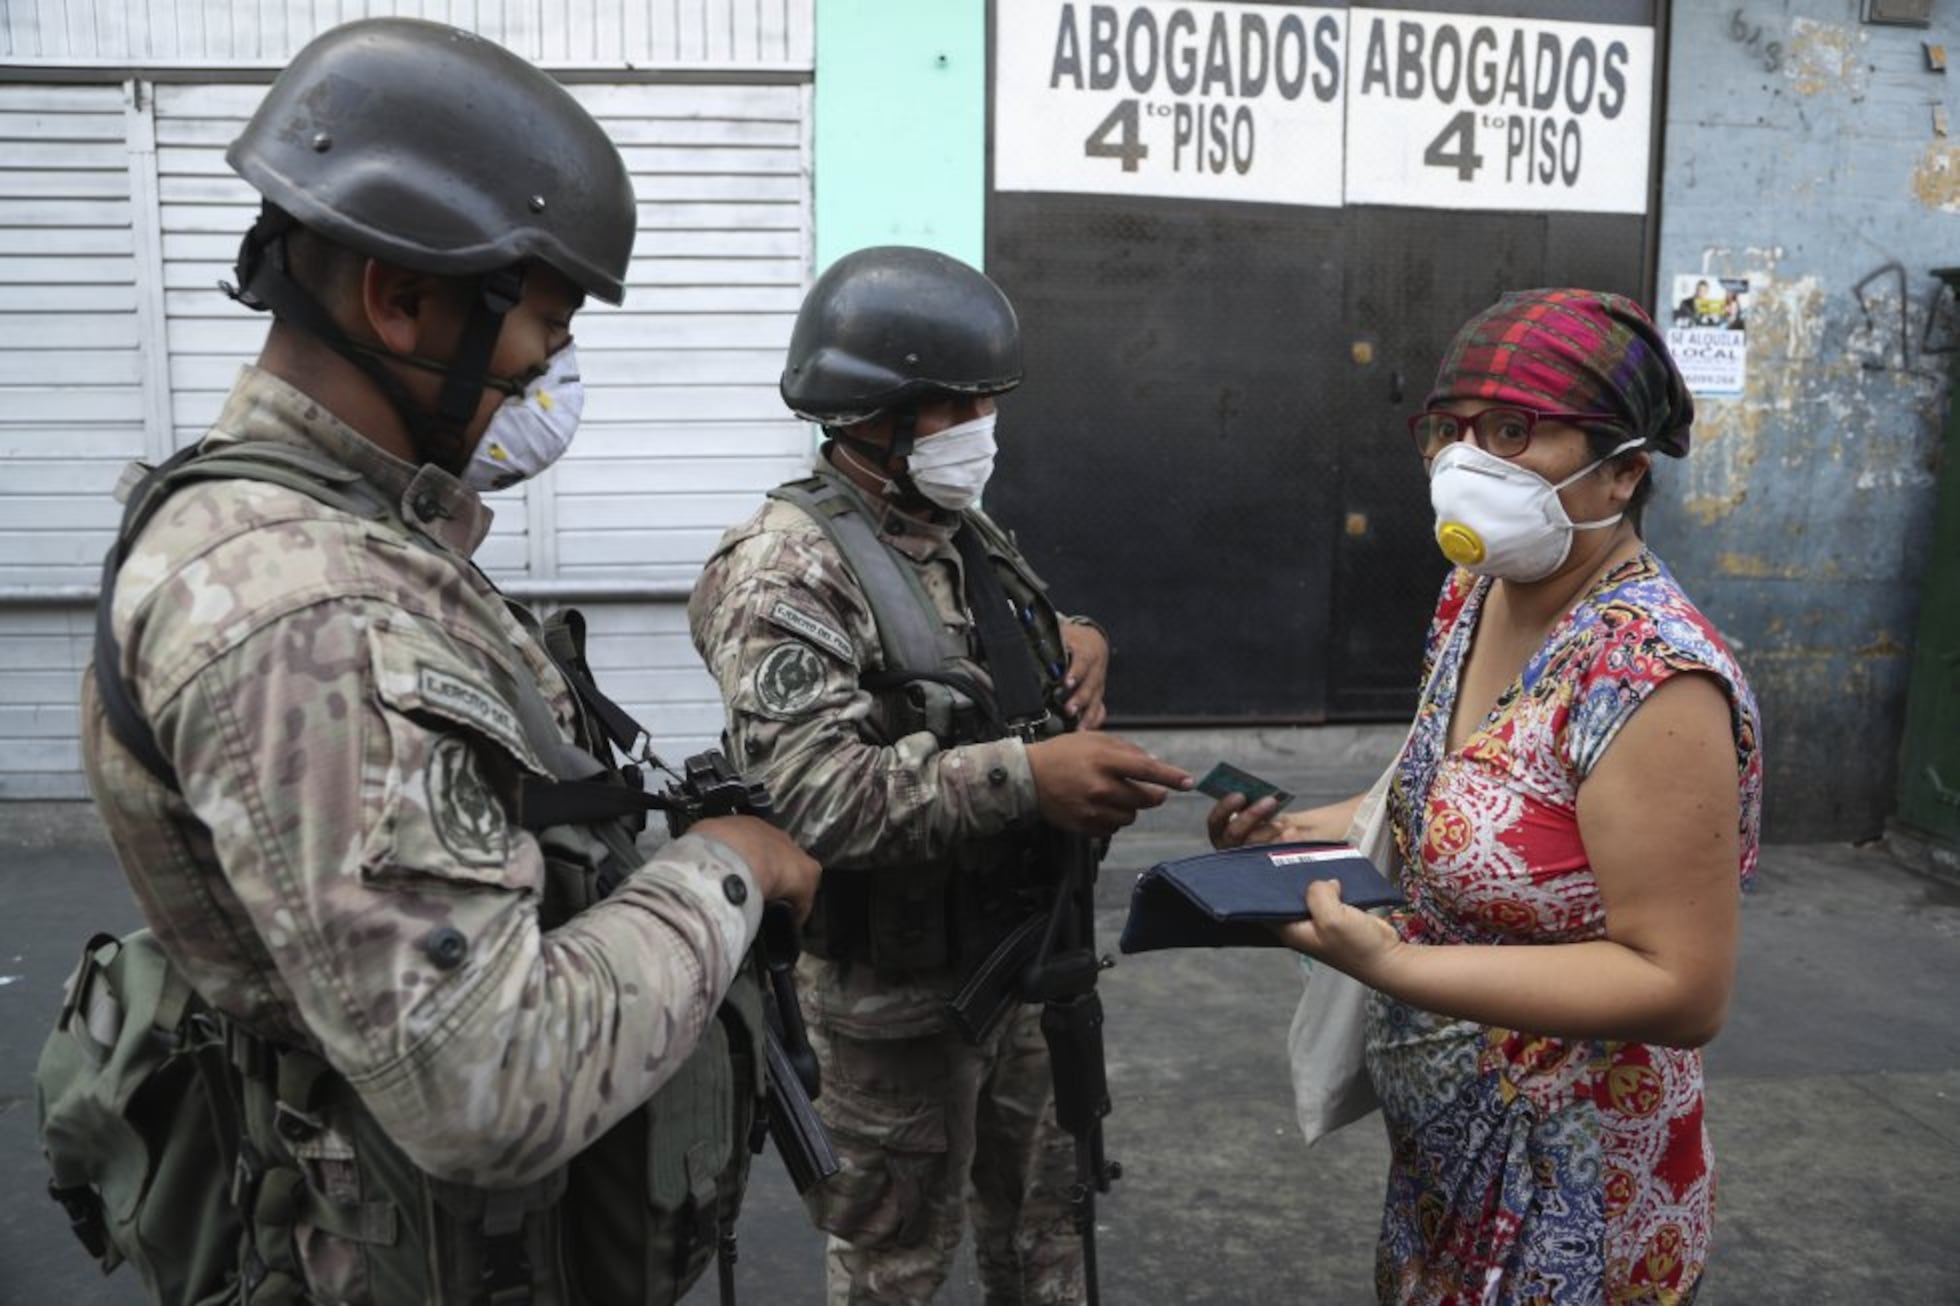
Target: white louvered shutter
x=71 y=402
x=118 y=217
x=683 y=428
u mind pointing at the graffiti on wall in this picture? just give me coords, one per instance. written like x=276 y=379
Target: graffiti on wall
x=1750 y=36
x=1884 y=339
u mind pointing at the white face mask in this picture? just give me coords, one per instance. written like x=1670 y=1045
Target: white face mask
x=1496 y=518
x=951 y=467
x=530 y=432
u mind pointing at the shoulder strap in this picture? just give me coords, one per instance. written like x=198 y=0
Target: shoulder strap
x=1017 y=684
x=1024 y=588
x=1003 y=548
x=563 y=636
x=909 y=629
x=584 y=790
x=300 y=470
x=296 y=469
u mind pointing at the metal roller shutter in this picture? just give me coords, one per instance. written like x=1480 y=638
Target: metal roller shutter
x=683 y=429
x=72 y=407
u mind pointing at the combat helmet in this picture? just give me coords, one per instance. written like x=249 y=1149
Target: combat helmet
x=433 y=149
x=886 y=327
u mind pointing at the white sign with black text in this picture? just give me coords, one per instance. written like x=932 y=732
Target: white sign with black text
x=1302 y=105
x=1460 y=111
x=1195 y=100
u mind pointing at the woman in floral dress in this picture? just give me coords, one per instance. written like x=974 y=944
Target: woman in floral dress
x=1576 y=810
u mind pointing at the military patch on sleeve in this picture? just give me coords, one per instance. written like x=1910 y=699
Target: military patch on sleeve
x=463 y=808
x=821 y=633
x=467 y=704
x=789 y=678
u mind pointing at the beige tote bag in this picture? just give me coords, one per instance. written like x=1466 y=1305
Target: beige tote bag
x=1331 y=1087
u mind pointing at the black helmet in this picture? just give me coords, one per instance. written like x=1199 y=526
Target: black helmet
x=893 y=324
x=437 y=150
x=434 y=150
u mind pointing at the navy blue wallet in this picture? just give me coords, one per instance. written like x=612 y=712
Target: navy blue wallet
x=1229 y=899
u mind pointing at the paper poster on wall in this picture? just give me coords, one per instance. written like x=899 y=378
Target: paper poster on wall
x=1465 y=111
x=1195 y=100
x=1707 y=332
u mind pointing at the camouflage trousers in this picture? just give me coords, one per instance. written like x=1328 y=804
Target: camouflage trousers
x=930 y=1130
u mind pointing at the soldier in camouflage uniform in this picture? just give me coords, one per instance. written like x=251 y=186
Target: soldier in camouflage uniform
x=924 y=806
x=454 y=1034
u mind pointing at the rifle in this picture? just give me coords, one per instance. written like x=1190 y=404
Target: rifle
x=1051 y=959
x=708 y=786
x=1057 y=965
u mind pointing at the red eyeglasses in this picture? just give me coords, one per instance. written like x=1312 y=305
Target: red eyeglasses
x=1504 y=431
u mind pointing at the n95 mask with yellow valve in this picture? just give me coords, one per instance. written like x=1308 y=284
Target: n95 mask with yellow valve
x=531 y=431
x=1497 y=518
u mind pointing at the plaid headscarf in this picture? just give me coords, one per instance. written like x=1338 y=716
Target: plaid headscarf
x=1574 y=351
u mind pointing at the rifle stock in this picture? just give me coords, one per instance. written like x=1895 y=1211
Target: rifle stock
x=791 y=1082
x=794 y=1126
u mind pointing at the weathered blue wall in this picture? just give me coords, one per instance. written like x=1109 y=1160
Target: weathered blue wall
x=1802 y=152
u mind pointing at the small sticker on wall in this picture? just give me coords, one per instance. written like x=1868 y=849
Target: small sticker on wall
x=1708 y=333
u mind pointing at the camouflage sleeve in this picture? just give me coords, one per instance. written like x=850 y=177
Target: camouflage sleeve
x=785 y=644
x=360 y=813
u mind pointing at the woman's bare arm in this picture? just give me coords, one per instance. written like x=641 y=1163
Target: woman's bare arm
x=1659 y=817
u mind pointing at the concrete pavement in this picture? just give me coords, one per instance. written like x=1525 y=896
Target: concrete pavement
x=1834 y=1094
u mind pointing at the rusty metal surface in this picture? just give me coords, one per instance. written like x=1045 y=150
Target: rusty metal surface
x=1800 y=155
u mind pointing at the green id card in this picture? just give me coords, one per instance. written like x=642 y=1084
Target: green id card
x=1226 y=779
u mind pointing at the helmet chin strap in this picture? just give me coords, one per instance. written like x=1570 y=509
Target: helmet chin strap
x=900 y=487
x=438 y=437
x=905 y=429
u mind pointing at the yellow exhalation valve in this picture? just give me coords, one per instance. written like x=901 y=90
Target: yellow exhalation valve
x=1460 y=543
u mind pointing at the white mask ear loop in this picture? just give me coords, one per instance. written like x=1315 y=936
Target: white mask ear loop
x=1597 y=463
x=1587 y=470
x=891 y=486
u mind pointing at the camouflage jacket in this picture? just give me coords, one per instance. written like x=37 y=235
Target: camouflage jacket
x=787 y=633
x=336 y=697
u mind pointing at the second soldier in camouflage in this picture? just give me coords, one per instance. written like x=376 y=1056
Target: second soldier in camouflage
x=839 y=623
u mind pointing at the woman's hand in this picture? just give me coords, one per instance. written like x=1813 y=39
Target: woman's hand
x=1344 y=937
x=1231 y=824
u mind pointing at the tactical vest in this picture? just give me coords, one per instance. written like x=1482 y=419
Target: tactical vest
x=953 y=911
x=634 y=1218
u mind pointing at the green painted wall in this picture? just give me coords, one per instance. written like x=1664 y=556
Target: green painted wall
x=901 y=127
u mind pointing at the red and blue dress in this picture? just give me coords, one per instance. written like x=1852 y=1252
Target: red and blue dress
x=1529 y=1169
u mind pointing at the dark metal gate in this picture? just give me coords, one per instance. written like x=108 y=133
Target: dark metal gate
x=1209 y=453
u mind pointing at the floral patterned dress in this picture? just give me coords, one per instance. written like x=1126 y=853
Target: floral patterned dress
x=1530 y=1169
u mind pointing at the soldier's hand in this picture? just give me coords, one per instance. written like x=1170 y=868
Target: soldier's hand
x=1088 y=671
x=1093 y=783
x=781 y=869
